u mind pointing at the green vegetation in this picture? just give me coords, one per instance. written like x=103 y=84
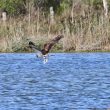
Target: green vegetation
x=82 y=22
x=13 y=7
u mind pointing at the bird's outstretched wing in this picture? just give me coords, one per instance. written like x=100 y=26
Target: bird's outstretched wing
x=33 y=46
x=48 y=45
x=36 y=49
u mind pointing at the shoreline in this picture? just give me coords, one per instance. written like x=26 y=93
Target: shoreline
x=27 y=52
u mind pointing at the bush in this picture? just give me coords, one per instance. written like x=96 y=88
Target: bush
x=13 y=7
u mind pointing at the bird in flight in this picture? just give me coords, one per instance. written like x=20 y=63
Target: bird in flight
x=46 y=48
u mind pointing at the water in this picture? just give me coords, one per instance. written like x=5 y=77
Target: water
x=77 y=81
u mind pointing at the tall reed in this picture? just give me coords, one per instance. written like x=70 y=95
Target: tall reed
x=83 y=28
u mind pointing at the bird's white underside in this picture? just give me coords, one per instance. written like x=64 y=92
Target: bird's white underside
x=44 y=57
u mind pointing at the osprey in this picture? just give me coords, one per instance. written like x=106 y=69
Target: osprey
x=47 y=47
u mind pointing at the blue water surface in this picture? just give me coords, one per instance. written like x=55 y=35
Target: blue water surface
x=69 y=81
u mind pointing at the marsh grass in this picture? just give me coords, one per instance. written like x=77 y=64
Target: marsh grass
x=83 y=28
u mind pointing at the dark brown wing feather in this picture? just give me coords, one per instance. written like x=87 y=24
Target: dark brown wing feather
x=33 y=46
x=49 y=45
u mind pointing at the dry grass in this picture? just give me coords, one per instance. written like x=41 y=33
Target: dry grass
x=83 y=30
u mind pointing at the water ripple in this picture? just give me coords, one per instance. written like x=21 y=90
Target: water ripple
x=74 y=81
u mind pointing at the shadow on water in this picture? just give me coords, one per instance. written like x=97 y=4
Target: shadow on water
x=66 y=82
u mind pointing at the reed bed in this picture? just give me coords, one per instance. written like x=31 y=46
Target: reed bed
x=83 y=30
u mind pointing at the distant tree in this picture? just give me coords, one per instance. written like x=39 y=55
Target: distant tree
x=46 y=4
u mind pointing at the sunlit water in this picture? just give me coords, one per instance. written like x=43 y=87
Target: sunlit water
x=77 y=81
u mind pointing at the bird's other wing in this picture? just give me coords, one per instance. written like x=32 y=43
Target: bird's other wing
x=34 y=47
x=52 y=42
